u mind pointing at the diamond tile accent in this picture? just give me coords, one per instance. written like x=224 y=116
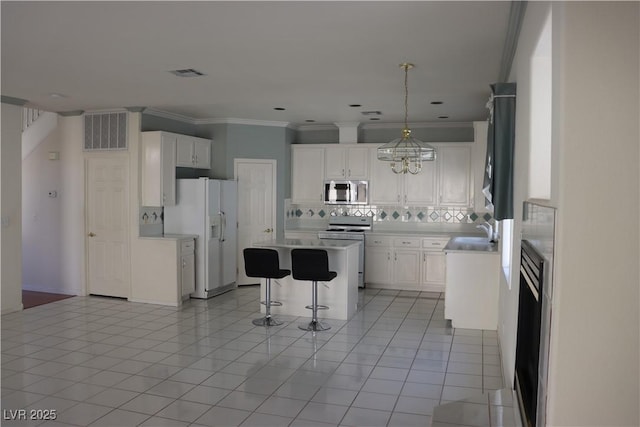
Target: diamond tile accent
x=420 y=215
x=473 y=216
x=487 y=216
x=460 y=216
x=395 y=215
x=383 y=214
x=447 y=216
x=409 y=215
x=434 y=216
x=322 y=213
x=298 y=213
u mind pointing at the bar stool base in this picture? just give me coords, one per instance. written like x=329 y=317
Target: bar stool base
x=267 y=321
x=315 y=325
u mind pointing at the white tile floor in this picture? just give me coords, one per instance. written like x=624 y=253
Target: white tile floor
x=107 y=362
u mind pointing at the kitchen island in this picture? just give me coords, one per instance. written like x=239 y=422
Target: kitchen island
x=340 y=294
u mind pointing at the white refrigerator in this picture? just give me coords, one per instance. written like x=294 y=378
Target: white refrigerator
x=207 y=208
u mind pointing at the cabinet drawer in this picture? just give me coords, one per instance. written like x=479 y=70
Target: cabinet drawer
x=186 y=246
x=378 y=241
x=436 y=244
x=406 y=242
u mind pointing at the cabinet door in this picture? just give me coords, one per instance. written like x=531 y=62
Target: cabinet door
x=184 y=152
x=385 y=187
x=455 y=175
x=188 y=275
x=433 y=268
x=307 y=174
x=357 y=163
x=406 y=267
x=168 y=170
x=377 y=265
x=421 y=189
x=335 y=159
x=202 y=153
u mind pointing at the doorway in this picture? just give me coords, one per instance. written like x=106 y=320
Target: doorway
x=107 y=224
x=256 y=206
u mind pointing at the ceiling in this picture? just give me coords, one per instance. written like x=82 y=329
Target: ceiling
x=312 y=58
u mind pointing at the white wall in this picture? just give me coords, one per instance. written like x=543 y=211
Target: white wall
x=594 y=360
x=72 y=204
x=594 y=355
x=10 y=209
x=41 y=217
x=532 y=27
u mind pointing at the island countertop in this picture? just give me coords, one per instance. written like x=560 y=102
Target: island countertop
x=307 y=244
x=340 y=295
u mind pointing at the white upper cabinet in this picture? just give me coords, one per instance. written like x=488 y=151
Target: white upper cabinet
x=387 y=187
x=307 y=174
x=455 y=175
x=158 y=154
x=346 y=163
x=421 y=189
x=193 y=152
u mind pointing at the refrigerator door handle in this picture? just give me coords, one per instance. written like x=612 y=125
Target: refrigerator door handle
x=223 y=225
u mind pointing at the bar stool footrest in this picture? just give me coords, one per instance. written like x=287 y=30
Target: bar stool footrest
x=319 y=307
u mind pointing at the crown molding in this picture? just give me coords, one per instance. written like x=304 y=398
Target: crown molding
x=13 y=101
x=417 y=125
x=238 y=121
x=399 y=125
x=170 y=116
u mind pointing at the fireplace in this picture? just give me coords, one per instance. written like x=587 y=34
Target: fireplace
x=528 y=333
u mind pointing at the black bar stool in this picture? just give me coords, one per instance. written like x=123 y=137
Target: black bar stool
x=264 y=263
x=313 y=265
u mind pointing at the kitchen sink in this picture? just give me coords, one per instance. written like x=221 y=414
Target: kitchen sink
x=471 y=243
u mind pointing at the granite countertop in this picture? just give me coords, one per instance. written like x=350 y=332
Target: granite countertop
x=307 y=243
x=169 y=237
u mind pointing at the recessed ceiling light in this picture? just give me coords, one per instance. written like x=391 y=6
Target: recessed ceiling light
x=374 y=118
x=443 y=117
x=355 y=105
x=187 y=72
x=309 y=120
x=279 y=108
x=372 y=113
x=436 y=102
x=57 y=95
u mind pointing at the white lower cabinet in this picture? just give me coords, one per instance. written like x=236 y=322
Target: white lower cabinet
x=164 y=270
x=187 y=268
x=406 y=263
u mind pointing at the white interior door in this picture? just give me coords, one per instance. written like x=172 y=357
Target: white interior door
x=107 y=239
x=256 y=206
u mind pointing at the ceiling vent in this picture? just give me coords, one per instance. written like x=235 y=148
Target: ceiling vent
x=105 y=131
x=187 y=72
x=372 y=113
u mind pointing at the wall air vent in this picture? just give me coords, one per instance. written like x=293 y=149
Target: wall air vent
x=105 y=131
x=187 y=72
x=372 y=113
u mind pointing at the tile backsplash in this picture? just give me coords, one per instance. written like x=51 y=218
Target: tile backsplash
x=389 y=214
x=151 y=221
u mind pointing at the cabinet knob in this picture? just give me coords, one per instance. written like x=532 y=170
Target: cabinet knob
x=268 y=230
x=92 y=234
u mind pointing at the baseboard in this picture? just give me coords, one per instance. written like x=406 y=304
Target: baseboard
x=144 y=301
x=13 y=309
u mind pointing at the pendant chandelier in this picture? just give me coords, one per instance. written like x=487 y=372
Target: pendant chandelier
x=406 y=153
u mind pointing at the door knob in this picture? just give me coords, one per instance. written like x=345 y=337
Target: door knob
x=268 y=230
x=92 y=234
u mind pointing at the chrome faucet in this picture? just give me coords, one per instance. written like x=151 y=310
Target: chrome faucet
x=492 y=234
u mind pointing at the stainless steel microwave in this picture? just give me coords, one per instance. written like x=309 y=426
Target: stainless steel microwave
x=338 y=192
